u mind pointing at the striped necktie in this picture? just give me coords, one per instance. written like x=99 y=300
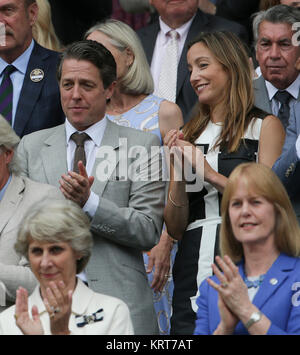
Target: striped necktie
x=284 y=112
x=6 y=93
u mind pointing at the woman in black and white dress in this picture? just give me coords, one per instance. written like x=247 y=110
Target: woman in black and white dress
x=228 y=130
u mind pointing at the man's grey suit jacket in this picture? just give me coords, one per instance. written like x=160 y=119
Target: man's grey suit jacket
x=128 y=219
x=287 y=166
x=261 y=95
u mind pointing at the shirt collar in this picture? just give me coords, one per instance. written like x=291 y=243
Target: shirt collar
x=2 y=191
x=182 y=30
x=21 y=62
x=293 y=89
x=96 y=131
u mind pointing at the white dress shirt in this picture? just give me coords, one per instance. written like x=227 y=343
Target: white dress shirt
x=91 y=146
x=161 y=43
x=298 y=147
x=96 y=132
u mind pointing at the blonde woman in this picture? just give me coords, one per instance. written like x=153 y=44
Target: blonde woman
x=259 y=232
x=43 y=30
x=230 y=131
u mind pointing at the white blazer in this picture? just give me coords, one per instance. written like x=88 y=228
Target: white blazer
x=112 y=314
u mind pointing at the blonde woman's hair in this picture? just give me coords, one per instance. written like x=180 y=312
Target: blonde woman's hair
x=231 y=53
x=262 y=181
x=138 y=79
x=55 y=221
x=43 y=30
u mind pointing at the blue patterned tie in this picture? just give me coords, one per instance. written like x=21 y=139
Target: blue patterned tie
x=6 y=93
x=284 y=112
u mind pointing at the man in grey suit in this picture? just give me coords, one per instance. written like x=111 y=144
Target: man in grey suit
x=124 y=204
x=287 y=166
x=17 y=196
x=185 y=17
x=277 y=51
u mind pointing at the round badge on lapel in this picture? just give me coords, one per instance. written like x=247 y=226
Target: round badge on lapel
x=36 y=75
x=273 y=281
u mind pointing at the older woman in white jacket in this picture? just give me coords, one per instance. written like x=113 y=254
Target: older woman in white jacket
x=56 y=239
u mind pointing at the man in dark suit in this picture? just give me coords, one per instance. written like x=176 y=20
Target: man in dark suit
x=36 y=99
x=277 y=56
x=178 y=15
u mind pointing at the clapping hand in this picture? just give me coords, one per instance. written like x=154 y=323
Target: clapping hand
x=27 y=325
x=77 y=187
x=233 y=293
x=58 y=303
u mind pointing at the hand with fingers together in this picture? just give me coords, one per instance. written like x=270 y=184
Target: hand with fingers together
x=77 y=187
x=58 y=303
x=233 y=293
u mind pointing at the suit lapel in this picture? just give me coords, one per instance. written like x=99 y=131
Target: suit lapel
x=149 y=43
x=110 y=144
x=261 y=95
x=25 y=106
x=274 y=279
x=11 y=200
x=54 y=155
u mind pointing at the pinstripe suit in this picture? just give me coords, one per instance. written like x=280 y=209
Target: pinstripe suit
x=39 y=104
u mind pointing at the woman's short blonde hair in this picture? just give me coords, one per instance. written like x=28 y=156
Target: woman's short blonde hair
x=262 y=181
x=138 y=79
x=54 y=221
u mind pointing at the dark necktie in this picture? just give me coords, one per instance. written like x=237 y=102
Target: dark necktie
x=79 y=139
x=6 y=93
x=284 y=112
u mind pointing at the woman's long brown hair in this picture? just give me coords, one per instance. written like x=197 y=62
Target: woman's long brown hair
x=231 y=53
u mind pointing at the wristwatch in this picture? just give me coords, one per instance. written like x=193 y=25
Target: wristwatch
x=255 y=317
